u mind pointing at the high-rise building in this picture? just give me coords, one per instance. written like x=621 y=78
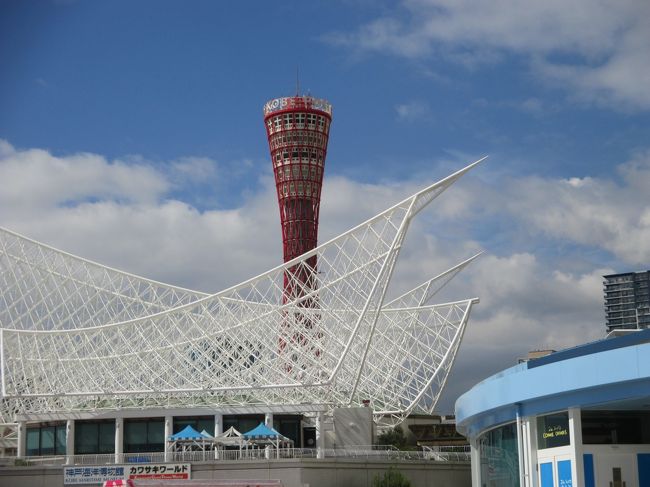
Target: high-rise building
x=298 y=131
x=627 y=300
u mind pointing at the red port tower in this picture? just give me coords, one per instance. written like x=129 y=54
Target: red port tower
x=298 y=129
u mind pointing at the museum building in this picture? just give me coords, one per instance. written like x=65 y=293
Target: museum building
x=578 y=417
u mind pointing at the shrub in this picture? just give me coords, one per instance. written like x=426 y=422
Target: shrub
x=391 y=478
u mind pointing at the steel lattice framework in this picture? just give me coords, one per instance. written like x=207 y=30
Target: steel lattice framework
x=78 y=336
x=297 y=129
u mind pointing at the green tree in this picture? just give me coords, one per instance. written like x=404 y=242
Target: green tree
x=391 y=478
x=394 y=436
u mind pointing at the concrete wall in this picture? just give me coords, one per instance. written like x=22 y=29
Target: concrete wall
x=353 y=427
x=293 y=473
x=353 y=473
x=31 y=477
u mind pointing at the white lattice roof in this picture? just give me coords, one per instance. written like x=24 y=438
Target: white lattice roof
x=76 y=335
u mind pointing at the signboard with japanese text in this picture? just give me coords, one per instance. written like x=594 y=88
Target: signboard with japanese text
x=92 y=474
x=162 y=471
x=98 y=474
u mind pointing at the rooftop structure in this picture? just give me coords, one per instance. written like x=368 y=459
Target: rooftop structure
x=77 y=336
x=627 y=301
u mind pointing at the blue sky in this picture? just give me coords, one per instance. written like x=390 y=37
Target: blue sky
x=132 y=134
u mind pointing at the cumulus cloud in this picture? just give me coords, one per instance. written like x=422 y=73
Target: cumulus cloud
x=596 y=212
x=598 y=50
x=524 y=306
x=195 y=169
x=538 y=285
x=121 y=213
x=36 y=178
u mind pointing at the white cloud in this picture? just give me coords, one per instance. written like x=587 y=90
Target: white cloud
x=532 y=105
x=523 y=307
x=195 y=169
x=120 y=214
x=546 y=296
x=597 y=49
x=590 y=211
x=36 y=178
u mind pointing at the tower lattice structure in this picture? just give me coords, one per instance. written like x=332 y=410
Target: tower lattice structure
x=298 y=131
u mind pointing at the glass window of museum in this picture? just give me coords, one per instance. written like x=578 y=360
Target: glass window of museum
x=498 y=450
x=499 y=457
x=141 y=435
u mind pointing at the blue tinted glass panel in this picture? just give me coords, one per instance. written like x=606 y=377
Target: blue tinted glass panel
x=499 y=457
x=643 y=462
x=205 y=424
x=47 y=440
x=135 y=437
x=590 y=481
x=33 y=441
x=60 y=440
x=156 y=435
x=85 y=438
x=546 y=474
x=564 y=477
x=106 y=438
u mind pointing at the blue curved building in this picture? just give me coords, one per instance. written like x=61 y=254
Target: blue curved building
x=579 y=417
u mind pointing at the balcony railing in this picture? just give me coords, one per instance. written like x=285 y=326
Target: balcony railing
x=439 y=454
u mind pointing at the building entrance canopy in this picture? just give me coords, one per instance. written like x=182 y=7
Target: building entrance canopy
x=188 y=433
x=262 y=432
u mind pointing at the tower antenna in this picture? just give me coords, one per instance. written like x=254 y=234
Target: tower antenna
x=297 y=81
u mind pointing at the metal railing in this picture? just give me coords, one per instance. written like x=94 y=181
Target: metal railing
x=378 y=452
x=447 y=452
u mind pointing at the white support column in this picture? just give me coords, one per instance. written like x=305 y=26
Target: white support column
x=531 y=442
x=268 y=421
x=218 y=424
x=218 y=429
x=22 y=439
x=169 y=430
x=69 y=442
x=302 y=432
x=320 y=450
x=575 y=431
x=521 y=453
x=475 y=456
x=119 y=439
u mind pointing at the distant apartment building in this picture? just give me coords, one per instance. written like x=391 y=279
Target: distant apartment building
x=627 y=301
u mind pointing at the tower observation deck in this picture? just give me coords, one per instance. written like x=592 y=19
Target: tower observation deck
x=298 y=131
